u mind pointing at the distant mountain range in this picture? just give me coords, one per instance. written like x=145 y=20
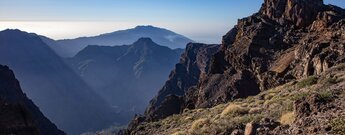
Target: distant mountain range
x=70 y=47
x=59 y=92
x=18 y=114
x=126 y=76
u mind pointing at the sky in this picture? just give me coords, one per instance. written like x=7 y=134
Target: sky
x=201 y=20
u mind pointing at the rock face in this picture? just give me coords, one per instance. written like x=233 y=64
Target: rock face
x=126 y=76
x=54 y=87
x=193 y=65
x=18 y=114
x=284 y=41
x=297 y=12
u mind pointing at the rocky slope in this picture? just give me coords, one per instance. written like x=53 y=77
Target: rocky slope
x=126 y=76
x=315 y=105
x=18 y=114
x=71 y=47
x=54 y=87
x=286 y=40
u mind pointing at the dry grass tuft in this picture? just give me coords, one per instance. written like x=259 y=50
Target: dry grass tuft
x=198 y=124
x=287 y=118
x=234 y=110
x=179 y=133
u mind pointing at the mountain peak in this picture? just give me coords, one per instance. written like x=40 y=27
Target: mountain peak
x=298 y=12
x=12 y=31
x=144 y=41
x=144 y=26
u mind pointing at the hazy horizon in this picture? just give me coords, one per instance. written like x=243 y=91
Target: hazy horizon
x=200 y=20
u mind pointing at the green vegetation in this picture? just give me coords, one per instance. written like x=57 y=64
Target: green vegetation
x=307 y=82
x=299 y=96
x=338 y=125
x=325 y=96
x=332 y=80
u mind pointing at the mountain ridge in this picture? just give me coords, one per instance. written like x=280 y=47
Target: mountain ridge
x=160 y=35
x=44 y=77
x=126 y=76
x=285 y=40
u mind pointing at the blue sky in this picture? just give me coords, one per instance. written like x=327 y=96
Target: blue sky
x=201 y=20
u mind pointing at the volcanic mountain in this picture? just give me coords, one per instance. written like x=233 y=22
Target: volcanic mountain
x=165 y=37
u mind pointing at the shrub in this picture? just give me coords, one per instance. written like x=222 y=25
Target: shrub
x=287 y=118
x=338 y=125
x=249 y=118
x=332 y=80
x=325 y=96
x=198 y=124
x=299 y=96
x=255 y=110
x=179 y=133
x=307 y=82
x=234 y=110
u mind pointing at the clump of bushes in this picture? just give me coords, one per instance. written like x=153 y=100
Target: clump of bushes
x=299 y=96
x=287 y=118
x=234 y=110
x=325 y=96
x=198 y=124
x=338 y=125
x=307 y=82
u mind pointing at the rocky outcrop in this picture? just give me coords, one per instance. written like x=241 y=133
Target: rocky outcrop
x=265 y=52
x=18 y=114
x=284 y=41
x=297 y=12
x=194 y=64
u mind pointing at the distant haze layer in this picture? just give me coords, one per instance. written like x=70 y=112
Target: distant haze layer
x=73 y=29
x=201 y=20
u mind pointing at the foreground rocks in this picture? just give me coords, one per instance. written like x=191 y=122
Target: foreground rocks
x=298 y=107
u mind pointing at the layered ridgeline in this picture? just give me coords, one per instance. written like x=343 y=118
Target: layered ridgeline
x=55 y=88
x=126 y=76
x=70 y=47
x=285 y=41
x=18 y=114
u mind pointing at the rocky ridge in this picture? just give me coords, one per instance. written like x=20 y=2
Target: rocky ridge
x=286 y=40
